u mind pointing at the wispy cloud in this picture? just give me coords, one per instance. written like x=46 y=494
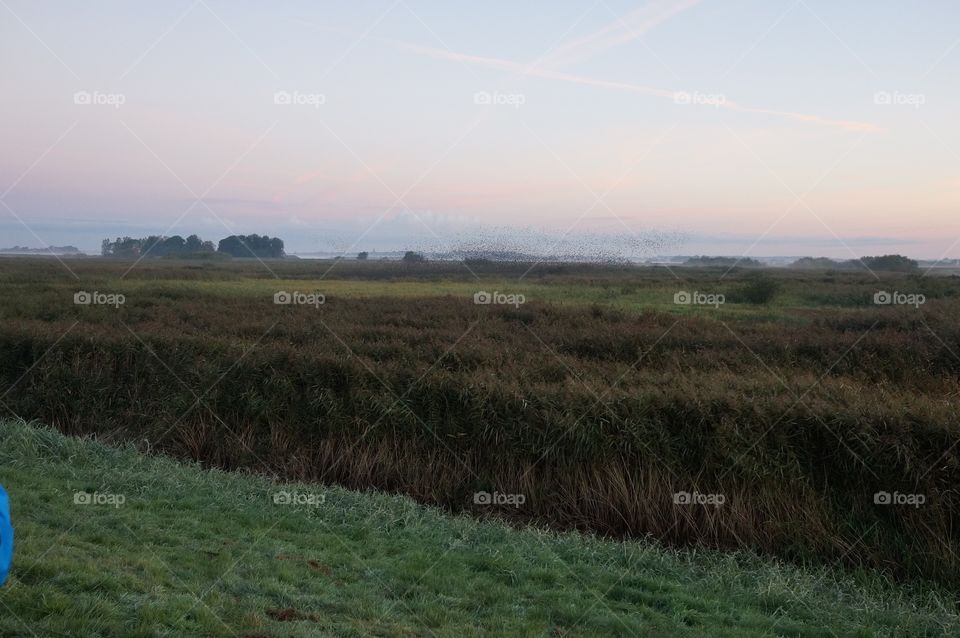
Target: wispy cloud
x=537 y=71
x=622 y=30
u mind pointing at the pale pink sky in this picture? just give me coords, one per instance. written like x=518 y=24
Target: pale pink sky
x=758 y=127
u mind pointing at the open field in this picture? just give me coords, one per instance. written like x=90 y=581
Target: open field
x=402 y=319
x=599 y=399
x=183 y=551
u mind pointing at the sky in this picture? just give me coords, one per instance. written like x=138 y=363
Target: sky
x=729 y=127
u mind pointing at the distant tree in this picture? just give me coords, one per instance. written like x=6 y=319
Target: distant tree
x=362 y=256
x=411 y=257
x=252 y=246
x=171 y=246
x=155 y=246
x=897 y=263
x=819 y=263
x=276 y=247
x=151 y=246
x=126 y=247
x=233 y=246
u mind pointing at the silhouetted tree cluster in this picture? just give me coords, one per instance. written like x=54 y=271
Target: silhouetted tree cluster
x=155 y=246
x=897 y=263
x=176 y=246
x=815 y=263
x=263 y=247
x=887 y=262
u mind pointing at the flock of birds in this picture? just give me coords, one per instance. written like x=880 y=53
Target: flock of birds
x=528 y=244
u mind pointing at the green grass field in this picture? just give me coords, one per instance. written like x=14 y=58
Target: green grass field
x=194 y=552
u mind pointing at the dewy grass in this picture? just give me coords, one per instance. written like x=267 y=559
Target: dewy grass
x=114 y=543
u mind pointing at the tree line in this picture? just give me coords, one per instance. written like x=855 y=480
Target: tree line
x=259 y=246
x=897 y=263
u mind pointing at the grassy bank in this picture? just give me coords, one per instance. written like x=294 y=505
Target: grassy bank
x=175 y=550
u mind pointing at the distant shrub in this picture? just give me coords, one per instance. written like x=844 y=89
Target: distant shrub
x=817 y=263
x=897 y=263
x=411 y=257
x=757 y=290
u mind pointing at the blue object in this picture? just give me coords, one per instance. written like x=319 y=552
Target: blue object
x=6 y=536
